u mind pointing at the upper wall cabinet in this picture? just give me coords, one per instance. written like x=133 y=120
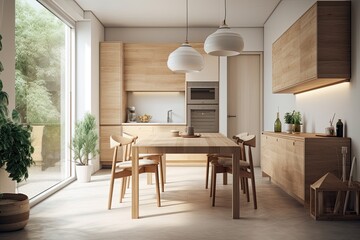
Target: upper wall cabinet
x=315 y=51
x=111 y=83
x=145 y=68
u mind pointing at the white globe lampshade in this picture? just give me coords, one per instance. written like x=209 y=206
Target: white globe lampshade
x=224 y=42
x=185 y=59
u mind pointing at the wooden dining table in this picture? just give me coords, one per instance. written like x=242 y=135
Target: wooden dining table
x=163 y=143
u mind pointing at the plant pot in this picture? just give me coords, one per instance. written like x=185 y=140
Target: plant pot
x=288 y=127
x=83 y=173
x=14 y=211
x=296 y=128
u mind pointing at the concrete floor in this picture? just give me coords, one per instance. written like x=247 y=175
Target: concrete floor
x=80 y=212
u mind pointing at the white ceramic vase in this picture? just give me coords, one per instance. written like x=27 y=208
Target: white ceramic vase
x=83 y=173
x=288 y=127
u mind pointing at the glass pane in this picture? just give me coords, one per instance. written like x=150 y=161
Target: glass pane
x=42 y=50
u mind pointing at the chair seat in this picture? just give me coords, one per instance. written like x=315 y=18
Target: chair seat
x=227 y=162
x=147 y=155
x=142 y=162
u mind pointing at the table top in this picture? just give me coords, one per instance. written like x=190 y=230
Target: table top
x=206 y=143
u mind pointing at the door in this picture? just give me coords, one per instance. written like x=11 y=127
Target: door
x=244 y=97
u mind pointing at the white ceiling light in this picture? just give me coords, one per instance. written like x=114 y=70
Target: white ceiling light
x=224 y=42
x=185 y=59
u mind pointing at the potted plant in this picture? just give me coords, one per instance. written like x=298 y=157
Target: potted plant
x=84 y=145
x=296 y=121
x=15 y=157
x=289 y=120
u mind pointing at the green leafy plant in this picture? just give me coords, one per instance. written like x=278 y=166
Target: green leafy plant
x=85 y=140
x=15 y=146
x=289 y=117
x=296 y=117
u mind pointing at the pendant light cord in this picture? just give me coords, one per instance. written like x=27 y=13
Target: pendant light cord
x=224 y=22
x=187 y=21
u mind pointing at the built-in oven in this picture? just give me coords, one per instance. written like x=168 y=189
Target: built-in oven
x=202 y=93
x=203 y=118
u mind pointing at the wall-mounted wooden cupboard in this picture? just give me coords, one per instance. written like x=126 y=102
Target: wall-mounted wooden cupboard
x=145 y=68
x=315 y=51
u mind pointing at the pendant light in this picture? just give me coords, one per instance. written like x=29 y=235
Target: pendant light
x=224 y=42
x=185 y=59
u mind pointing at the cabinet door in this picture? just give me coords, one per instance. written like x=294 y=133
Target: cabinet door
x=106 y=153
x=286 y=59
x=270 y=155
x=308 y=45
x=294 y=178
x=145 y=68
x=111 y=83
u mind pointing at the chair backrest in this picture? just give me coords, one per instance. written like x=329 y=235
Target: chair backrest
x=238 y=139
x=123 y=144
x=249 y=141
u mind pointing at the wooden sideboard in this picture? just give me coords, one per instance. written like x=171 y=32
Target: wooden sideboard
x=295 y=161
x=315 y=51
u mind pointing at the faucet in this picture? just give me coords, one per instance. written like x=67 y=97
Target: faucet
x=169 y=116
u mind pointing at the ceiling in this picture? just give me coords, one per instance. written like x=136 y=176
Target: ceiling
x=172 y=13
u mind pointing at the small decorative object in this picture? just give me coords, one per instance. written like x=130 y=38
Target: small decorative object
x=277 y=124
x=330 y=130
x=296 y=121
x=189 y=131
x=289 y=122
x=144 y=118
x=84 y=146
x=174 y=133
x=339 y=128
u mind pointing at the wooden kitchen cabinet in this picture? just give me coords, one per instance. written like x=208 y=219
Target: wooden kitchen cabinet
x=295 y=161
x=106 y=153
x=315 y=51
x=112 y=96
x=145 y=68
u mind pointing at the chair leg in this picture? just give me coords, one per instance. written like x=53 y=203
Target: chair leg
x=110 y=193
x=128 y=181
x=247 y=189
x=161 y=173
x=225 y=178
x=207 y=173
x=157 y=186
x=123 y=188
x=253 y=189
x=213 y=186
x=211 y=180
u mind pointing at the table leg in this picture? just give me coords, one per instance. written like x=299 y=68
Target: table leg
x=135 y=183
x=236 y=192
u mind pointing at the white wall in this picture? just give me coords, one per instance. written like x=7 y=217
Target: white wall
x=253 y=37
x=7 y=56
x=149 y=102
x=89 y=33
x=317 y=106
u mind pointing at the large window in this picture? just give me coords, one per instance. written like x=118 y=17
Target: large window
x=43 y=47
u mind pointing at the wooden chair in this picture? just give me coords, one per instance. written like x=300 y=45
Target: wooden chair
x=121 y=167
x=153 y=156
x=211 y=157
x=246 y=171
